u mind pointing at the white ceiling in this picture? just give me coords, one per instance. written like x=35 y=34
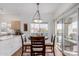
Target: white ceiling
x=25 y=11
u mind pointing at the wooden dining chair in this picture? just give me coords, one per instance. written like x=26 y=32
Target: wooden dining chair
x=51 y=45
x=48 y=45
x=25 y=45
x=37 y=46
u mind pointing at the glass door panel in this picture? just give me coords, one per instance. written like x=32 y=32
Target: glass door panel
x=70 y=35
x=59 y=34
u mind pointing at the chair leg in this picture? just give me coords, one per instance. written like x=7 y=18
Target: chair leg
x=54 y=51
x=22 y=52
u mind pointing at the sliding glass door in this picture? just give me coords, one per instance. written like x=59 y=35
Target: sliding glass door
x=71 y=35
x=67 y=34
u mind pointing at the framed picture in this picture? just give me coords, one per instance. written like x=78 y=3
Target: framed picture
x=25 y=27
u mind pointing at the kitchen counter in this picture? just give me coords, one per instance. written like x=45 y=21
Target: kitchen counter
x=9 y=44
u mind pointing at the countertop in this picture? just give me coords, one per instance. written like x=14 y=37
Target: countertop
x=9 y=44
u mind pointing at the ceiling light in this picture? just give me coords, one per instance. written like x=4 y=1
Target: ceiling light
x=36 y=17
x=37 y=21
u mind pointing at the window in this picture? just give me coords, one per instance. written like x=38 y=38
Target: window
x=42 y=28
x=59 y=34
x=59 y=28
x=72 y=27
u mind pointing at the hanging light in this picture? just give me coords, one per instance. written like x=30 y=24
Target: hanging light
x=36 y=17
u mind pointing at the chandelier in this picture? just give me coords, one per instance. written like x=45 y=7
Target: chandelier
x=36 y=17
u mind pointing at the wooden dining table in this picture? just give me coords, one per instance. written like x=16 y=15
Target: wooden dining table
x=37 y=36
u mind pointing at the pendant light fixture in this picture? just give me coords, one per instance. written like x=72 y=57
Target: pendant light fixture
x=36 y=17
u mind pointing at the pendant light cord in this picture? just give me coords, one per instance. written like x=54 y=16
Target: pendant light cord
x=37 y=12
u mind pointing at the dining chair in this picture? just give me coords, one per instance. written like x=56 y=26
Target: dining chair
x=37 y=46
x=25 y=45
x=48 y=45
x=51 y=46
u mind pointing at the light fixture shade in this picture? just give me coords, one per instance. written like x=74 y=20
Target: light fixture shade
x=35 y=21
x=38 y=21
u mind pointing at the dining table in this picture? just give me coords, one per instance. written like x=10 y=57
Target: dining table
x=46 y=37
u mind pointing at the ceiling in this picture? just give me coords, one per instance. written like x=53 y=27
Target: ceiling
x=23 y=11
